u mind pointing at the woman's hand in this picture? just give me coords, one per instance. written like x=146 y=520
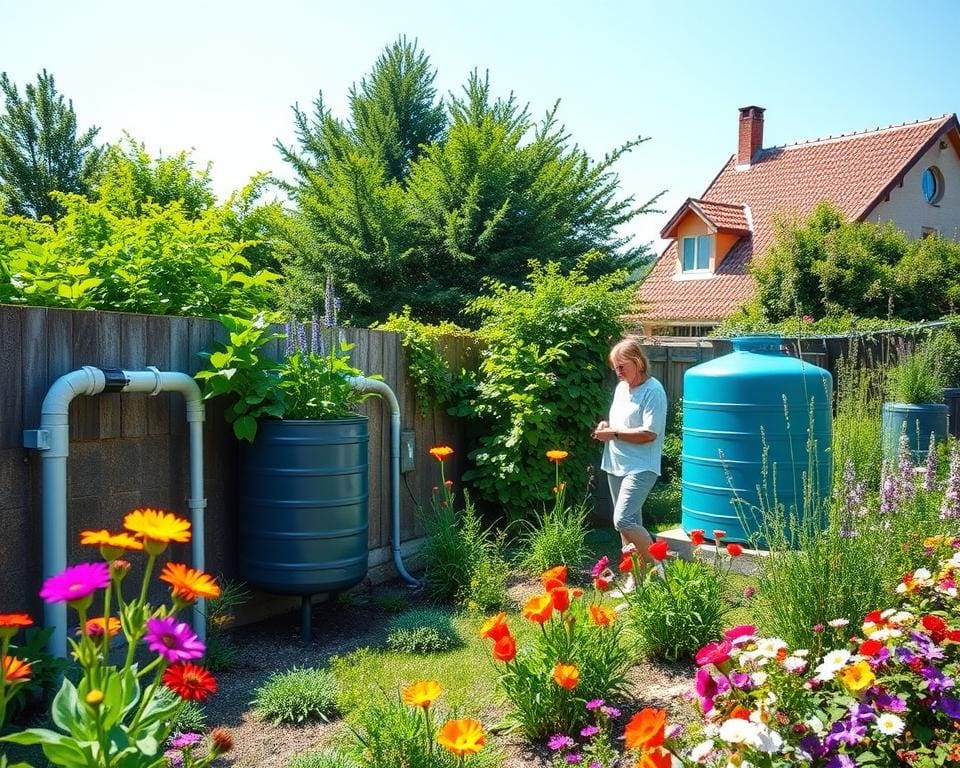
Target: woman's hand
x=603 y=432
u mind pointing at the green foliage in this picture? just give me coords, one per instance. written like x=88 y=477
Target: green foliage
x=412 y=202
x=316 y=385
x=40 y=150
x=856 y=426
x=190 y=719
x=826 y=266
x=543 y=380
x=221 y=653
x=423 y=630
x=557 y=536
x=943 y=347
x=674 y=616
x=325 y=758
x=45 y=670
x=437 y=386
x=297 y=695
x=915 y=379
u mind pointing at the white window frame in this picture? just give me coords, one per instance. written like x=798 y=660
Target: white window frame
x=697 y=255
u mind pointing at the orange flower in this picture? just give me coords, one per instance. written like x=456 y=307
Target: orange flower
x=646 y=730
x=505 y=649
x=495 y=627
x=555 y=577
x=655 y=758
x=422 y=693
x=15 y=670
x=222 y=740
x=734 y=549
x=697 y=537
x=538 y=608
x=189 y=583
x=560 y=597
x=557 y=456
x=626 y=563
x=96 y=626
x=440 y=452
x=157 y=525
x=17 y=620
x=115 y=541
x=566 y=676
x=602 y=617
x=462 y=737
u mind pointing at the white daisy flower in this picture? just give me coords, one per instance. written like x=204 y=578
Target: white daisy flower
x=758 y=678
x=701 y=752
x=737 y=731
x=922 y=574
x=889 y=724
x=794 y=665
x=770 y=646
x=837 y=623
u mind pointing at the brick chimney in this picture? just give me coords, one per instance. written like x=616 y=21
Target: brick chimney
x=751 y=134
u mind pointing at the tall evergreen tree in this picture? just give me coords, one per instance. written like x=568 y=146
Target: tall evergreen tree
x=40 y=151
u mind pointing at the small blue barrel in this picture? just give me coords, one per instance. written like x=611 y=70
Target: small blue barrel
x=917 y=422
x=303 y=506
x=748 y=418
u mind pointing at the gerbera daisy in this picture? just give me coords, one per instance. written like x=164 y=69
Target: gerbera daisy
x=96 y=626
x=11 y=623
x=76 y=582
x=15 y=670
x=112 y=545
x=189 y=681
x=173 y=640
x=189 y=583
x=462 y=737
x=557 y=456
x=440 y=452
x=421 y=694
x=158 y=526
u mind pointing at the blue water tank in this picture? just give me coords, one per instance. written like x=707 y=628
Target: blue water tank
x=728 y=403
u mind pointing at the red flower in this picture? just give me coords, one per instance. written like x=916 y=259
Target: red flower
x=555 y=577
x=717 y=535
x=697 y=537
x=870 y=647
x=936 y=626
x=601 y=584
x=734 y=549
x=222 y=740
x=505 y=649
x=189 y=681
x=658 y=550
x=560 y=596
x=495 y=627
x=538 y=608
x=740 y=713
x=626 y=563
x=713 y=653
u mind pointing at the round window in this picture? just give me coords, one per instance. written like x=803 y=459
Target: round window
x=932 y=184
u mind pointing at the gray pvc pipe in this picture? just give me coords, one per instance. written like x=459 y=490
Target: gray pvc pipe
x=53 y=441
x=363 y=384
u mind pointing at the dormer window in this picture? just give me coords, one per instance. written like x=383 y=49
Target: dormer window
x=696 y=253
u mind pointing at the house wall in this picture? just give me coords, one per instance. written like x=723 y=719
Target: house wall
x=907 y=208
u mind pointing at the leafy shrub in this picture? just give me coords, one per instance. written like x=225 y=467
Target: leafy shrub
x=543 y=379
x=943 y=347
x=662 y=508
x=424 y=630
x=325 y=758
x=45 y=669
x=488 y=580
x=297 y=695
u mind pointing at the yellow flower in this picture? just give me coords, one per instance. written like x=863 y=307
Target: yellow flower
x=440 y=452
x=462 y=737
x=556 y=455
x=857 y=676
x=104 y=538
x=566 y=676
x=157 y=525
x=422 y=693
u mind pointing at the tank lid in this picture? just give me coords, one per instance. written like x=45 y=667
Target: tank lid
x=767 y=344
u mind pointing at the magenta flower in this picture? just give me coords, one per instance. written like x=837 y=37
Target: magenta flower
x=173 y=640
x=76 y=582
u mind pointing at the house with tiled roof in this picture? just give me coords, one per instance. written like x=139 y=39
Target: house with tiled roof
x=907 y=174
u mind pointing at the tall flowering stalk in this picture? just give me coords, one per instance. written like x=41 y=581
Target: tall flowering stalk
x=115 y=715
x=930 y=472
x=950 y=507
x=905 y=474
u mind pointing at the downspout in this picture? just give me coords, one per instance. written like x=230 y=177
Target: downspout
x=52 y=439
x=363 y=384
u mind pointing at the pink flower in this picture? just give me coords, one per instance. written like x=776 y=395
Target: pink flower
x=740 y=634
x=76 y=582
x=600 y=567
x=173 y=640
x=714 y=653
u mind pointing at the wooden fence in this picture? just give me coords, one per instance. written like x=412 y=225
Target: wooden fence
x=131 y=450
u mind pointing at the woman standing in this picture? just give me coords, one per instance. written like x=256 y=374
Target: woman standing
x=633 y=443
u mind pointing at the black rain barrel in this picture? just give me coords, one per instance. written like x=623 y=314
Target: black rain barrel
x=303 y=506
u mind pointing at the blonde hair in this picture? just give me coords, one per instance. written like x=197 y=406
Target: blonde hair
x=630 y=348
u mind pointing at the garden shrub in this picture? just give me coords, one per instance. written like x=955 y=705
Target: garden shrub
x=943 y=347
x=297 y=695
x=558 y=535
x=422 y=630
x=190 y=719
x=543 y=380
x=915 y=379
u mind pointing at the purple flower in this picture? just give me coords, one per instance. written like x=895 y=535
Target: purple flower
x=574 y=758
x=589 y=730
x=950 y=508
x=930 y=475
x=182 y=740
x=290 y=346
x=174 y=758
x=301 y=337
x=315 y=334
x=601 y=565
x=890 y=703
x=594 y=704
x=560 y=741
x=908 y=488
x=173 y=640
x=936 y=680
x=812 y=746
x=612 y=712
x=845 y=732
x=949 y=706
x=840 y=761
x=76 y=582
x=741 y=680
x=330 y=304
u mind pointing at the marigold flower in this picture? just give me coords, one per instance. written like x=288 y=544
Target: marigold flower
x=857 y=676
x=566 y=676
x=16 y=670
x=157 y=525
x=658 y=550
x=505 y=649
x=560 y=597
x=698 y=537
x=222 y=740
x=15 y=620
x=557 y=456
x=462 y=737
x=76 y=582
x=734 y=549
x=602 y=617
x=98 y=625
x=189 y=681
x=173 y=640
x=440 y=452
x=555 y=577
x=495 y=627
x=646 y=729
x=538 y=608
x=421 y=693
x=111 y=544
x=189 y=583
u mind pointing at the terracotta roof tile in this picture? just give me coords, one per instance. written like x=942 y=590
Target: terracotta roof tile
x=851 y=171
x=724 y=217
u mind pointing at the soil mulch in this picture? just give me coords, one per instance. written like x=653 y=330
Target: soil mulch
x=275 y=645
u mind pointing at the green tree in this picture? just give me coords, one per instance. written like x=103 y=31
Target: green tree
x=41 y=151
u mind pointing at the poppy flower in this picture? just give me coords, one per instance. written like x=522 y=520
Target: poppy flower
x=16 y=670
x=717 y=535
x=440 y=452
x=714 y=653
x=557 y=456
x=655 y=758
x=566 y=676
x=601 y=584
x=505 y=649
x=189 y=583
x=626 y=563
x=697 y=537
x=189 y=681
x=462 y=737
x=422 y=693
x=560 y=596
x=602 y=617
x=646 y=729
x=555 y=577
x=658 y=550
x=495 y=627
x=158 y=526
x=538 y=608
x=734 y=549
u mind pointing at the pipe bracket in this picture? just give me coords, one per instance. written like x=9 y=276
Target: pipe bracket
x=39 y=439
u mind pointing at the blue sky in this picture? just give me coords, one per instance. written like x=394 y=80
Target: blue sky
x=220 y=77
